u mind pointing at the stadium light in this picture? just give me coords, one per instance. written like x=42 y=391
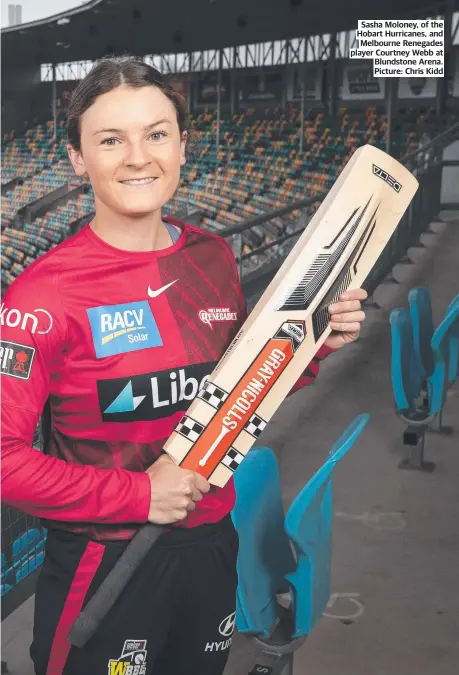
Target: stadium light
x=62 y=22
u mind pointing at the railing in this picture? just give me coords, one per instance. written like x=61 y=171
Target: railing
x=263 y=242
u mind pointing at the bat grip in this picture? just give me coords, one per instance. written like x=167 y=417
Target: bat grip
x=90 y=618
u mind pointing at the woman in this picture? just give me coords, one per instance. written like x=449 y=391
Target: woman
x=107 y=327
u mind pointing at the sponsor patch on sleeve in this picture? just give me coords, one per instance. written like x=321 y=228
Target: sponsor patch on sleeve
x=16 y=359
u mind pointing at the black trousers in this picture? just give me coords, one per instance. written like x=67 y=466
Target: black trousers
x=175 y=617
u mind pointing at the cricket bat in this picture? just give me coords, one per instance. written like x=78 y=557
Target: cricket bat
x=290 y=322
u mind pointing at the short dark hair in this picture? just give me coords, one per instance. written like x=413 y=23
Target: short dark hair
x=108 y=74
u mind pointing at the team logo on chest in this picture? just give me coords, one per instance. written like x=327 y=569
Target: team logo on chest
x=208 y=316
x=117 y=329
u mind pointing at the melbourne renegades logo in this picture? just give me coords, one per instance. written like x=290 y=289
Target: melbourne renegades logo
x=208 y=316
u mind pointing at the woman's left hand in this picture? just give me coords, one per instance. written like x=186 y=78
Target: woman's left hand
x=346 y=318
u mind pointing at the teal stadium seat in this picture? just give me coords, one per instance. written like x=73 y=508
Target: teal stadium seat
x=406 y=377
x=423 y=329
x=278 y=555
x=453 y=371
x=424 y=367
x=445 y=345
x=265 y=553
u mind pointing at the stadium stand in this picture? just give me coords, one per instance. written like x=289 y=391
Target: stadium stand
x=257 y=168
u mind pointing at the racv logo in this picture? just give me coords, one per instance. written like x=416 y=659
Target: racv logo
x=151 y=396
x=117 y=329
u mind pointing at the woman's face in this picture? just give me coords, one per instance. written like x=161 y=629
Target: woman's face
x=131 y=149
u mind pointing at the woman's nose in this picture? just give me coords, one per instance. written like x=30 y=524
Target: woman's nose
x=138 y=156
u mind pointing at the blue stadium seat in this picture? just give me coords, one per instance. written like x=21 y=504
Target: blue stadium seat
x=258 y=517
x=266 y=562
x=423 y=329
x=7 y=577
x=29 y=542
x=453 y=371
x=406 y=378
x=308 y=525
x=5 y=588
x=424 y=366
x=31 y=563
x=445 y=344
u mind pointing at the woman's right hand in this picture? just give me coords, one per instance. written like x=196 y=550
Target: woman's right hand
x=174 y=491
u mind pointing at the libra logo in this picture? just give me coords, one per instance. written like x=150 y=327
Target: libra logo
x=117 y=329
x=151 y=396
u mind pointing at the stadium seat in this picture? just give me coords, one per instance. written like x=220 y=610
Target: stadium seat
x=423 y=329
x=424 y=367
x=27 y=542
x=5 y=588
x=264 y=547
x=6 y=574
x=445 y=343
x=28 y=553
x=266 y=565
x=32 y=563
x=308 y=525
x=406 y=378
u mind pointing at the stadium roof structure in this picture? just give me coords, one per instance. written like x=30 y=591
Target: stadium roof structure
x=101 y=27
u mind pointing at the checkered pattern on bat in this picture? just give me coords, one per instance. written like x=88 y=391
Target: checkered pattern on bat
x=232 y=459
x=189 y=428
x=255 y=426
x=213 y=395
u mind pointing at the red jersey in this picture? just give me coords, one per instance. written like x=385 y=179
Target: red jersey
x=120 y=343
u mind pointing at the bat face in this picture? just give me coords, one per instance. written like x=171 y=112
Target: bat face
x=290 y=321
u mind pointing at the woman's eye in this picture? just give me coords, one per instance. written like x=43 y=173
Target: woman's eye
x=157 y=135
x=109 y=141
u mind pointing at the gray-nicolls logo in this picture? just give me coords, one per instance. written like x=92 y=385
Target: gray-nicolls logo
x=226 y=629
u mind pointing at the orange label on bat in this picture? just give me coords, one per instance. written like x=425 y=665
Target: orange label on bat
x=236 y=411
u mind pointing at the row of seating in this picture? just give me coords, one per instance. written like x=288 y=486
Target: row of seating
x=258 y=168
x=21 y=247
x=425 y=365
x=36 y=149
x=36 y=186
x=27 y=554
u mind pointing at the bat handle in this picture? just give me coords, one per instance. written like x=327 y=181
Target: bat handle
x=90 y=618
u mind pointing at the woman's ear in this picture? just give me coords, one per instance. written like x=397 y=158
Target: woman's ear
x=76 y=158
x=183 y=147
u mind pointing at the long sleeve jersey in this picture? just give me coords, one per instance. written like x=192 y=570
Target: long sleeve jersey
x=119 y=343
